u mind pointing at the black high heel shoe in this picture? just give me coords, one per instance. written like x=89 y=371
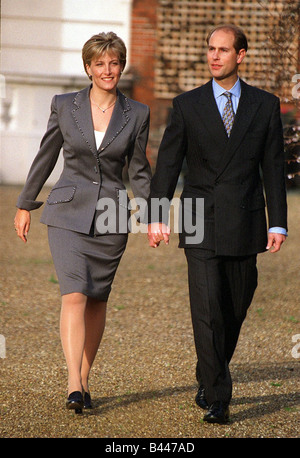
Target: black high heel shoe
x=87 y=401
x=75 y=402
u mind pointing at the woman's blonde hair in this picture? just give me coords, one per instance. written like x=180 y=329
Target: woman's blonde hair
x=101 y=43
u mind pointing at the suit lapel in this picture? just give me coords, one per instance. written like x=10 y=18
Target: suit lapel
x=82 y=114
x=246 y=110
x=118 y=121
x=210 y=116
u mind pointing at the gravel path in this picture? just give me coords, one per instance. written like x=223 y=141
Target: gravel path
x=143 y=382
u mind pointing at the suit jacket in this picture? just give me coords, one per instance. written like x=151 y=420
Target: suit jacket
x=228 y=173
x=88 y=174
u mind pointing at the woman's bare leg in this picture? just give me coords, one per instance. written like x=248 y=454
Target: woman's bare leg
x=95 y=317
x=72 y=332
x=82 y=325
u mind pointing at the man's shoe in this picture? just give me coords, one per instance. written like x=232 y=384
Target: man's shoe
x=200 y=398
x=217 y=413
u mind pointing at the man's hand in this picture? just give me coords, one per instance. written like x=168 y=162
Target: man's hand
x=158 y=232
x=22 y=224
x=275 y=241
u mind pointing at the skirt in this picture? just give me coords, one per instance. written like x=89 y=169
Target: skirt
x=86 y=263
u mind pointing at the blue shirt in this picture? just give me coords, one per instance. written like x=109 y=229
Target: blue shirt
x=235 y=98
x=221 y=99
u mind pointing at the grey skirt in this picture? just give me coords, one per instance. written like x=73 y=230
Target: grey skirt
x=84 y=263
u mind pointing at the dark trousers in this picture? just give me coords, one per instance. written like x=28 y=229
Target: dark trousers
x=221 y=290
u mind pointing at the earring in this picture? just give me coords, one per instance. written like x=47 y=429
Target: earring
x=90 y=77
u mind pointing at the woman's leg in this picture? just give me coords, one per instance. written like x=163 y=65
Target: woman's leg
x=95 y=317
x=82 y=325
x=72 y=332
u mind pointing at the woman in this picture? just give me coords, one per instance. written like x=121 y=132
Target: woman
x=98 y=129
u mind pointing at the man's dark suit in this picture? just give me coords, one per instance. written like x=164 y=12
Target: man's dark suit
x=227 y=173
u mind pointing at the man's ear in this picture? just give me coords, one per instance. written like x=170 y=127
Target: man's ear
x=241 y=55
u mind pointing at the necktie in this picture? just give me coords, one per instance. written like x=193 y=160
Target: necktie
x=228 y=114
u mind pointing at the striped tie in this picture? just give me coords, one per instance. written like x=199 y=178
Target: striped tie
x=228 y=114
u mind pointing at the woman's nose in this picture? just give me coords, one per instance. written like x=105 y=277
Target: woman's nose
x=107 y=69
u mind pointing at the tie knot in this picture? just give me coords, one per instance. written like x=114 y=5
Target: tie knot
x=227 y=94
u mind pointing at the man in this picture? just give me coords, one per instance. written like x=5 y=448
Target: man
x=230 y=141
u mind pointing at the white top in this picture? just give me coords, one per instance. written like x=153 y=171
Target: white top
x=99 y=137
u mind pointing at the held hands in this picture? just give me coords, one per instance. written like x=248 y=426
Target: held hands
x=22 y=224
x=158 y=232
x=275 y=241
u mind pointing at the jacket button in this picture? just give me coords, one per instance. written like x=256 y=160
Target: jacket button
x=95 y=182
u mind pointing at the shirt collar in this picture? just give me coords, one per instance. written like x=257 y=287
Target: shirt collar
x=218 y=90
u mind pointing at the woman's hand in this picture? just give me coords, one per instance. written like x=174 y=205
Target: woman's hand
x=22 y=223
x=158 y=232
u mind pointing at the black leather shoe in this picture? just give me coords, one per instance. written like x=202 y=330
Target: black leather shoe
x=217 y=413
x=87 y=401
x=75 y=402
x=200 y=398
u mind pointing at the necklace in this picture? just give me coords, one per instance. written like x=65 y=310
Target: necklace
x=103 y=109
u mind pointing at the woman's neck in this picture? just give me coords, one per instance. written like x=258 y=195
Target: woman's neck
x=102 y=98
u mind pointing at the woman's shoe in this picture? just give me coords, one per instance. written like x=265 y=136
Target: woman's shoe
x=75 y=402
x=87 y=401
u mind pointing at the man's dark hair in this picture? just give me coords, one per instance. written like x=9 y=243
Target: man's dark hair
x=240 y=41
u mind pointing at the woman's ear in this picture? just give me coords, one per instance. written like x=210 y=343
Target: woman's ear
x=87 y=69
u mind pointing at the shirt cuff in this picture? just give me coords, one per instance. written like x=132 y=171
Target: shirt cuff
x=278 y=230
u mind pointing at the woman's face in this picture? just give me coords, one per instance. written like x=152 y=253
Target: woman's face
x=105 y=70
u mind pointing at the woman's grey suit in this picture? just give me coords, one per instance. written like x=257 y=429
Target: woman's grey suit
x=89 y=174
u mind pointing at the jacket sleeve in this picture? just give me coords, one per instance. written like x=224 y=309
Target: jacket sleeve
x=43 y=163
x=139 y=170
x=170 y=158
x=274 y=171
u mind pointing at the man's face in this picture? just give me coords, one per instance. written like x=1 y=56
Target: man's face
x=222 y=58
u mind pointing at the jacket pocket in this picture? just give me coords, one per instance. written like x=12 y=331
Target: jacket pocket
x=122 y=198
x=61 y=195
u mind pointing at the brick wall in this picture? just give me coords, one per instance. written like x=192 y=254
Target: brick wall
x=143 y=43
x=143 y=52
x=169 y=49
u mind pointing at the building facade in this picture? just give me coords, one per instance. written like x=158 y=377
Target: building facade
x=166 y=42
x=169 y=49
x=41 y=56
